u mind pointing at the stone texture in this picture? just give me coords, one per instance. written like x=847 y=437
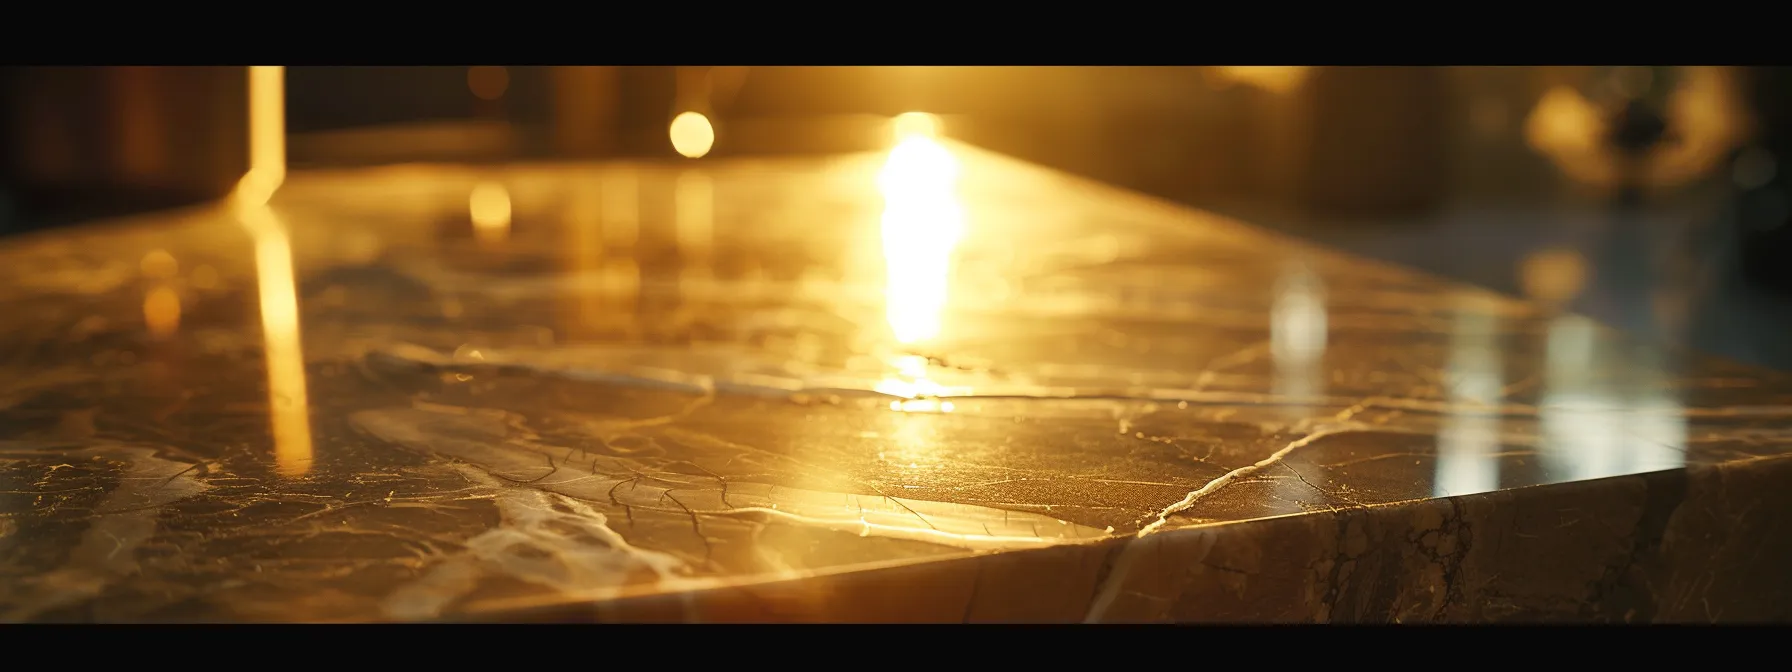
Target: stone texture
x=934 y=385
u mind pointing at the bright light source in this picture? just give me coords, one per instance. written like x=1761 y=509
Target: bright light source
x=913 y=124
x=692 y=134
x=489 y=205
x=922 y=223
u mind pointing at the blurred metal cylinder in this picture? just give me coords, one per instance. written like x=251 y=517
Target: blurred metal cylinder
x=138 y=136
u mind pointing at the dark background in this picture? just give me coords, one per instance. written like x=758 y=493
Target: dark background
x=1659 y=185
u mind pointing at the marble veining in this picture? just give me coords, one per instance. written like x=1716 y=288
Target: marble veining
x=930 y=384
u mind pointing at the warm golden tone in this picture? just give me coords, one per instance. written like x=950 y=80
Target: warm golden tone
x=927 y=384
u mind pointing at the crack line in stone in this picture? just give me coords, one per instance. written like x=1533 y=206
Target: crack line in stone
x=1163 y=518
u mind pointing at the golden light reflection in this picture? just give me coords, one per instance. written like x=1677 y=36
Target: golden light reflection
x=584 y=232
x=622 y=284
x=692 y=134
x=1657 y=424
x=694 y=196
x=1582 y=424
x=913 y=443
x=1469 y=441
x=605 y=223
x=1566 y=127
x=1599 y=425
x=922 y=223
x=922 y=406
x=910 y=380
x=488 y=82
x=267 y=137
x=1273 y=78
x=911 y=124
x=693 y=222
x=1553 y=276
x=489 y=206
x=161 y=311
x=1595 y=425
x=1298 y=333
x=159 y=265
x=621 y=207
x=288 y=401
x=289 y=406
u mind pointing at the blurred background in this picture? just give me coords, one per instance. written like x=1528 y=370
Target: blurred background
x=1647 y=197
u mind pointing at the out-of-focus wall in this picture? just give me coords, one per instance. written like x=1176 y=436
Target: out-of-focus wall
x=1345 y=139
x=1374 y=142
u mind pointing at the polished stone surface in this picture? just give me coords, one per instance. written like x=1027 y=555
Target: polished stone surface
x=931 y=384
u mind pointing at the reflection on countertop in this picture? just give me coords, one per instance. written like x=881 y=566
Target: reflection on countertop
x=587 y=384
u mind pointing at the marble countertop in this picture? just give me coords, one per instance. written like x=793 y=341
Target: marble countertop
x=929 y=384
